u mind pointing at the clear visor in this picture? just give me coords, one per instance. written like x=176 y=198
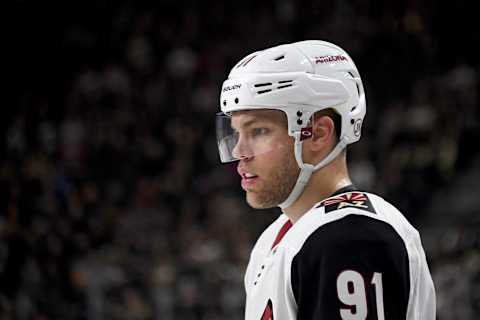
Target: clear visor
x=250 y=134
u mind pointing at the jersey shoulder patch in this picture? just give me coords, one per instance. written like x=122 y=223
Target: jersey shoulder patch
x=354 y=199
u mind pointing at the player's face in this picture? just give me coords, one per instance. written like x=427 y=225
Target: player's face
x=268 y=176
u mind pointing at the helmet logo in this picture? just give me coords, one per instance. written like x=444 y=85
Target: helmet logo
x=357 y=127
x=326 y=59
x=306 y=133
x=243 y=63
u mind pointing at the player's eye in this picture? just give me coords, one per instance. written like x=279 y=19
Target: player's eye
x=257 y=132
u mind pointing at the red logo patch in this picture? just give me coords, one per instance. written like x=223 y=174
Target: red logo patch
x=268 y=313
x=306 y=133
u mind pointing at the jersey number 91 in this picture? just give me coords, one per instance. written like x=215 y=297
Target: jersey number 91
x=351 y=292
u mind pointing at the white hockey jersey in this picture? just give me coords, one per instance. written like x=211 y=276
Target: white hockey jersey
x=351 y=257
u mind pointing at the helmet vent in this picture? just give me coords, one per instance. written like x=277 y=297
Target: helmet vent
x=285 y=84
x=267 y=87
x=279 y=57
x=263 y=84
x=264 y=91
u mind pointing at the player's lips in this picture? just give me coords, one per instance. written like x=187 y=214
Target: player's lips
x=248 y=178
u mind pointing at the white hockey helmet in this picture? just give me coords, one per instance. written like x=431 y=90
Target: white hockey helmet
x=299 y=79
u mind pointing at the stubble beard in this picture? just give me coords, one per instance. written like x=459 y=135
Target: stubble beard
x=278 y=187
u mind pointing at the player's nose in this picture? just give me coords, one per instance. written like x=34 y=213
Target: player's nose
x=242 y=150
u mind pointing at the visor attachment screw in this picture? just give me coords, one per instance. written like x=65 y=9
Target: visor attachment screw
x=299 y=113
x=236 y=100
x=299 y=121
x=224 y=102
x=352 y=121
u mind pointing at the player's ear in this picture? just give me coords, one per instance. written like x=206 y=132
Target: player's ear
x=323 y=133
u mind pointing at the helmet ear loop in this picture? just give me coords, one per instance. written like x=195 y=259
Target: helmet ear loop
x=298 y=148
x=306 y=171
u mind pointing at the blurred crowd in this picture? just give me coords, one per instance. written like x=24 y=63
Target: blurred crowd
x=113 y=202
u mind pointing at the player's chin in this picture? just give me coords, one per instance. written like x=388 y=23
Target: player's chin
x=256 y=201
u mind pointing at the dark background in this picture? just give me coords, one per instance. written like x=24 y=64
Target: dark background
x=113 y=202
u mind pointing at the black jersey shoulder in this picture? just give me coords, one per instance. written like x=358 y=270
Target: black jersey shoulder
x=355 y=242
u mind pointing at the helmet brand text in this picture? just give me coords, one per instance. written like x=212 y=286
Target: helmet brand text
x=325 y=59
x=234 y=87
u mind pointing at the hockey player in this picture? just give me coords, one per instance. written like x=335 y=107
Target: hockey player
x=335 y=252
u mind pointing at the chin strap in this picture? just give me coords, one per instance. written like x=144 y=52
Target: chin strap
x=307 y=169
